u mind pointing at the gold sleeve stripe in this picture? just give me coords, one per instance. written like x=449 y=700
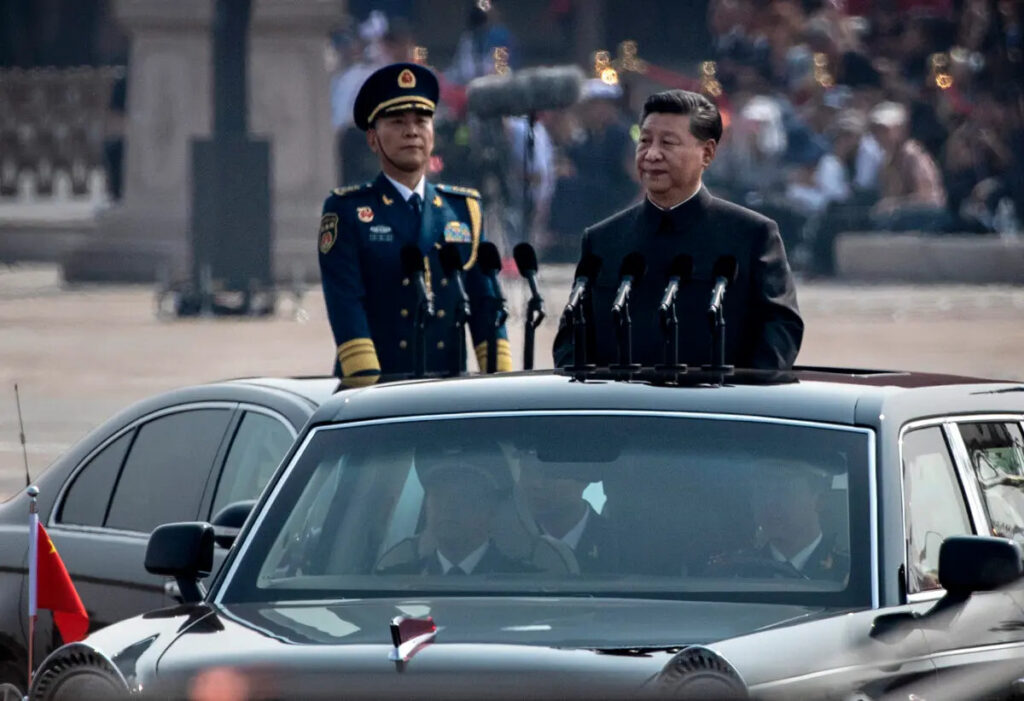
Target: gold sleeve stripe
x=504 y=357
x=476 y=221
x=358 y=357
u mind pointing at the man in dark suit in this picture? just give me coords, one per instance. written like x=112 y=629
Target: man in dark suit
x=463 y=487
x=787 y=502
x=370 y=302
x=554 y=493
x=679 y=133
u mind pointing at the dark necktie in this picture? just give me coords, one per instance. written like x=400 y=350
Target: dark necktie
x=414 y=202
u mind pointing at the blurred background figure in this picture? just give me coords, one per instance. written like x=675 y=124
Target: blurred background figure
x=475 y=52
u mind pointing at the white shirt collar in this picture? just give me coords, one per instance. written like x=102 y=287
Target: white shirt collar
x=405 y=192
x=572 y=538
x=800 y=559
x=468 y=563
x=700 y=184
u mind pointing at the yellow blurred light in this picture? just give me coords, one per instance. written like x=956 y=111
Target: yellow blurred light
x=820 y=60
x=610 y=76
x=944 y=81
x=419 y=54
x=484 y=5
x=708 y=68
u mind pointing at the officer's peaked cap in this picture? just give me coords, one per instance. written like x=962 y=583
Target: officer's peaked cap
x=472 y=460
x=395 y=88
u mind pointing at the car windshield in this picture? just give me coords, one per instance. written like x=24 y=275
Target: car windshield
x=567 y=504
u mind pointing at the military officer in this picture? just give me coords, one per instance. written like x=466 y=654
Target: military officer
x=370 y=303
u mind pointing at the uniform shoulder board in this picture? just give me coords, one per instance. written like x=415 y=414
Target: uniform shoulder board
x=349 y=189
x=459 y=190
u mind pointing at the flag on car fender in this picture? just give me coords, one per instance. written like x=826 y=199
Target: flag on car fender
x=51 y=583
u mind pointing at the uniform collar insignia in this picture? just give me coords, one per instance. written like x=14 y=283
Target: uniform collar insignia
x=386 y=200
x=437 y=200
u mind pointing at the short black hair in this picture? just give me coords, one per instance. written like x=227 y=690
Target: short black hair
x=705 y=120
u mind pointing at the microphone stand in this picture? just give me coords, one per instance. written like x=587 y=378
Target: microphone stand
x=534 y=317
x=458 y=341
x=419 y=368
x=624 y=334
x=717 y=320
x=670 y=327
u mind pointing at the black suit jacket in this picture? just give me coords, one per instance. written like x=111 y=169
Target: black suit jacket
x=597 y=549
x=763 y=324
x=493 y=562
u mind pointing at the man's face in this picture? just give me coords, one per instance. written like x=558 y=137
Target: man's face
x=548 y=493
x=459 y=510
x=668 y=157
x=406 y=139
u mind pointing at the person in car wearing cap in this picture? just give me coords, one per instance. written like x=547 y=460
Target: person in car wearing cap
x=370 y=303
x=462 y=487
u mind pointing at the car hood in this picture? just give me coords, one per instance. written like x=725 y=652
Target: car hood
x=546 y=644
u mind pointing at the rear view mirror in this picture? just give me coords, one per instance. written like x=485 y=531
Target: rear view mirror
x=978 y=563
x=183 y=551
x=229 y=520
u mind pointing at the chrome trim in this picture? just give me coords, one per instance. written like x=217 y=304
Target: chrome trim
x=225 y=581
x=876 y=584
x=922 y=597
x=962 y=460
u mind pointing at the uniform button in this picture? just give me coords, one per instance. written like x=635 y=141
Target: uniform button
x=405 y=282
x=444 y=282
x=440 y=345
x=440 y=313
x=403 y=344
x=404 y=313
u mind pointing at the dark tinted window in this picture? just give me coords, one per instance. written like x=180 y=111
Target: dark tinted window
x=167 y=469
x=87 y=500
x=935 y=506
x=260 y=443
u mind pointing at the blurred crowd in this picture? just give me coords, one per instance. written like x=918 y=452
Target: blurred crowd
x=855 y=115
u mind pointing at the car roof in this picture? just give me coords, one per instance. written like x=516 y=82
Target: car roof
x=315 y=389
x=830 y=395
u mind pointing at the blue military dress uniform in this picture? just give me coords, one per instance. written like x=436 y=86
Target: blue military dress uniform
x=371 y=305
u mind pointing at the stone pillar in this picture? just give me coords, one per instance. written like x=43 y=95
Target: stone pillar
x=170 y=103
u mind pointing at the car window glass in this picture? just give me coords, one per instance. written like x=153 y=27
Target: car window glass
x=673 y=505
x=258 y=446
x=996 y=451
x=87 y=499
x=935 y=506
x=167 y=469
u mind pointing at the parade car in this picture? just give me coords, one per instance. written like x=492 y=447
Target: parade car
x=821 y=533
x=186 y=454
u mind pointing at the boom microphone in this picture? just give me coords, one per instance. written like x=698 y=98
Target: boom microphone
x=631 y=272
x=489 y=260
x=524 y=92
x=413 y=267
x=725 y=272
x=587 y=270
x=451 y=264
x=680 y=272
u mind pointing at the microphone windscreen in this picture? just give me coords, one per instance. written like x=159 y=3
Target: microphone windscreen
x=488 y=258
x=412 y=260
x=526 y=258
x=526 y=91
x=495 y=96
x=726 y=267
x=451 y=259
x=588 y=267
x=634 y=265
x=682 y=268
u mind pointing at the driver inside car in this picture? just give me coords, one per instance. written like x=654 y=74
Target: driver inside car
x=786 y=504
x=463 y=487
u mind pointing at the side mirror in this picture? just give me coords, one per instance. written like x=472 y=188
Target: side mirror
x=229 y=520
x=978 y=563
x=183 y=551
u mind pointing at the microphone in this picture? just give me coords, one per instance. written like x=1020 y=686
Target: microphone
x=631 y=272
x=587 y=270
x=524 y=92
x=413 y=267
x=451 y=264
x=526 y=261
x=489 y=260
x=680 y=272
x=725 y=272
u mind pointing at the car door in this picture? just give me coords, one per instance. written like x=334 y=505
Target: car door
x=969 y=641
x=153 y=472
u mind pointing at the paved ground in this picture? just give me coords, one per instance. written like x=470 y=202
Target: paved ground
x=80 y=355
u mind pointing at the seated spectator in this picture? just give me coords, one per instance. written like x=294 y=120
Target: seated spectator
x=913 y=197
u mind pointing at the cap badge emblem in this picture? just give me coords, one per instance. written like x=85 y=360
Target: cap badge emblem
x=406 y=79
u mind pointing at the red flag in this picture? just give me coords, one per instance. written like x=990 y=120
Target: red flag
x=57 y=593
